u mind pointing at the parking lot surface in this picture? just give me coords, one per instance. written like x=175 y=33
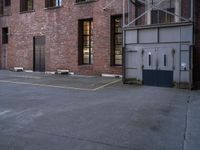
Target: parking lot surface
x=54 y=112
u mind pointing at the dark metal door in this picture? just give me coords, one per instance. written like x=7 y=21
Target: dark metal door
x=158 y=67
x=39 y=53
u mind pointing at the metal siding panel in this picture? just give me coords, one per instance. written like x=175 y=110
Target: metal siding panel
x=148 y=36
x=171 y=34
x=186 y=34
x=131 y=36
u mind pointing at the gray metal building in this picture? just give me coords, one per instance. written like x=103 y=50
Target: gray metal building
x=158 y=42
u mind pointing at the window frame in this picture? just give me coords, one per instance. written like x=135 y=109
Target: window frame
x=81 y=41
x=113 y=41
x=7 y=3
x=22 y=10
x=47 y=6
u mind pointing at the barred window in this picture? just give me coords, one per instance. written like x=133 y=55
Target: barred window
x=7 y=3
x=116 y=40
x=85 y=42
x=26 y=5
x=5 y=35
x=53 y=3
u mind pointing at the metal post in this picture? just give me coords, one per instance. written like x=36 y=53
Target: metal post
x=177 y=10
x=149 y=12
x=123 y=47
x=192 y=10
x=124 y=23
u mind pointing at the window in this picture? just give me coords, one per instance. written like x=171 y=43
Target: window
x=5 y=35
x=116 y=40
x=3 y=4
x=26 y=5
x=149 y=58
x=159 y=16
x=165 y=60
x=85 y=42
x=1 y=7
x=165 y=12
x=7 y=3
x=53 y=3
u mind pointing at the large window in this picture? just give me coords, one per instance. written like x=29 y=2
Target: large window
x=85 y=42
x=1 y=7
x=116 y=40
x=5 y=35
x=3 y=4
x=53 y=3
x=7 y=3
x=159 y=16
x=150 y=12
x=26 y=5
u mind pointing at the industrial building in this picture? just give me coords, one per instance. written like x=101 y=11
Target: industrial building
x=161 y=43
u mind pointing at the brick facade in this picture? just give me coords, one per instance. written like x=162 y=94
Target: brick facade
x=60 y=27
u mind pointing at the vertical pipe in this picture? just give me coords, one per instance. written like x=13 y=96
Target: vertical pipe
x=177 y=10
x=124 y=24
x=192 y=10
x=128 y=11
x=148 y=17
x=123 y=48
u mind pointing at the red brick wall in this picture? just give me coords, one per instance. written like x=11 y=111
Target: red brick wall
x=60 y=27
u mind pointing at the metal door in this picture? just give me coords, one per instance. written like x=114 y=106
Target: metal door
x=39 y=53
x=158 y=67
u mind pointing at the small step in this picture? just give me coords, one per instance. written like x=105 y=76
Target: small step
x=18 y=69
x=61 y=71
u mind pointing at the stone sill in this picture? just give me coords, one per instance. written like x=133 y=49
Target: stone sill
x=86 y=2
x=54 y=7
x=4 y=15
x=29 y=11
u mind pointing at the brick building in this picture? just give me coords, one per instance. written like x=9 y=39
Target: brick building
x=85 y=36
x=79 y=35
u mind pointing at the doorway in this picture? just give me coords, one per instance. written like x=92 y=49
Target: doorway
x=39 y=53
x=158 y=67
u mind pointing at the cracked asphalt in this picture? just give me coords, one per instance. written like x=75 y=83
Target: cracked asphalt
x=114 y=117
